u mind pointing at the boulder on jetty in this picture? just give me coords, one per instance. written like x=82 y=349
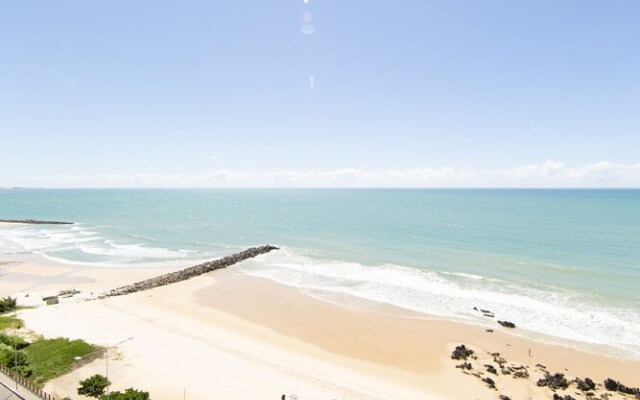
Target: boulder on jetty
x=35 y=222
x=191 y=272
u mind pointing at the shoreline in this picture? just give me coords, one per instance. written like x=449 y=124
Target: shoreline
x=276 y=331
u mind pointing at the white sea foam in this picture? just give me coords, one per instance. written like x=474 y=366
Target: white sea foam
x=564 y=315
x=86 y=245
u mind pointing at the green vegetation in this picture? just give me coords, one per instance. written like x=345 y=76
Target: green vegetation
x=15 y=360
x=50 y=358
x=93 y=386
x=14 y=342
x=129 y=394
x=7 y=304
x=7 y=322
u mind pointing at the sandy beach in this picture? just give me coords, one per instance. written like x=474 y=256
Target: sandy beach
x=229 y=335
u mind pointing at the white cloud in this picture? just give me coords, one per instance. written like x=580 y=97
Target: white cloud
x=550 y=174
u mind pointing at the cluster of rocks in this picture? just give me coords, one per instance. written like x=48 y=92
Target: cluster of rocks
x=485 y=369
x=553 y=381
x=461 y=353
x=35 y=221
x=190 y=272
x=615 y=386
x=486 y=313
x=490 y=314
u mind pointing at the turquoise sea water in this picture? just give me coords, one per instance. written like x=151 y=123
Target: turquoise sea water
x=564 y=263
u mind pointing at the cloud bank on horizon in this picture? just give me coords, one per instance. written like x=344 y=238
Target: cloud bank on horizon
x=550 y=174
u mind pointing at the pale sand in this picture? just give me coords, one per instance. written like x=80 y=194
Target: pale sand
x=229 y=336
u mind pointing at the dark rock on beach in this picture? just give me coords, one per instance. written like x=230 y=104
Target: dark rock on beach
x=503 y=397
x=507 y=324
x=490 y=382
x=461 y=353
x=555 y=381
x=585 y=385
x=556 y=396
x=615 y=386
x=464 y=366
x=610 y=384
x=491 y=369
x=523 y=374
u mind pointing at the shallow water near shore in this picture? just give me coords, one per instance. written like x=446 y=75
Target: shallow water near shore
x=560 y=262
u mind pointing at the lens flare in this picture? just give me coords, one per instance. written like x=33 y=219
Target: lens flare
x=308 y=29
x=306 y=17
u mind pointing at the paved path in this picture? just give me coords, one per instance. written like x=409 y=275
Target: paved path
x=8 y=390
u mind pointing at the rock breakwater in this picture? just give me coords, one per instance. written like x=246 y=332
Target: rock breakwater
x=35 y=222
x=191 y=272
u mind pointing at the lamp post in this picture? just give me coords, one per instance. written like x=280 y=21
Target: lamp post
x=106 y=358
x=15 y=361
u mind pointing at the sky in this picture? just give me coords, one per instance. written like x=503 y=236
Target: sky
x=323 y=93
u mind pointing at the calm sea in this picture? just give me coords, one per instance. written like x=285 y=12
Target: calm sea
x=564 y=263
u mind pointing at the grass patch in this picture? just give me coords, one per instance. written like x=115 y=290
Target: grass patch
x=50 y=358
x=7 y=322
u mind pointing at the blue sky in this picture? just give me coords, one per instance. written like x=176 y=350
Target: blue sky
x=158 y=93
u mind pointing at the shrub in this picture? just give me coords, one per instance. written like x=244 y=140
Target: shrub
x=129 y=394
x=16 y=361
x=15 y=342
x=7 y=304
x=94 y=386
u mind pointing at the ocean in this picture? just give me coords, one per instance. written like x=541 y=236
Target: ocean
x=560 y=264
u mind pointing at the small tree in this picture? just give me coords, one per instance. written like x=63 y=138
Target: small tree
x=15 y=361
x=93 y=386
x=7 y=304
x=129 y=394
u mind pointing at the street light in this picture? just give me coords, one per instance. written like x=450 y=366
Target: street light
x=15 y=361
x=106 y=356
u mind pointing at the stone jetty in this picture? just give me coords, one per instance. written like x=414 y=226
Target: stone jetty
x=188 y=273
x=35 y=222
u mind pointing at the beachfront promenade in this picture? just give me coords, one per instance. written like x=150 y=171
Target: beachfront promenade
x=8 y=390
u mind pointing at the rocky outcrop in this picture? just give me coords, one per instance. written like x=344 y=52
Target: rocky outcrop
x=35 y=221
x=190 y=272
x=585 y=385
x=461 y=353
x=555 y=381
x=615 y=386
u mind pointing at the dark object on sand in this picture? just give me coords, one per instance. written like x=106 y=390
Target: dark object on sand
x=490 y=330
x=616 y=386
x=461 y=353
x=503 y=397
x=490 y=382
x=556 y=396
x=555 y=381
x=507 y=324
x=491 y=369
x=466 y=366
x=585 y=385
